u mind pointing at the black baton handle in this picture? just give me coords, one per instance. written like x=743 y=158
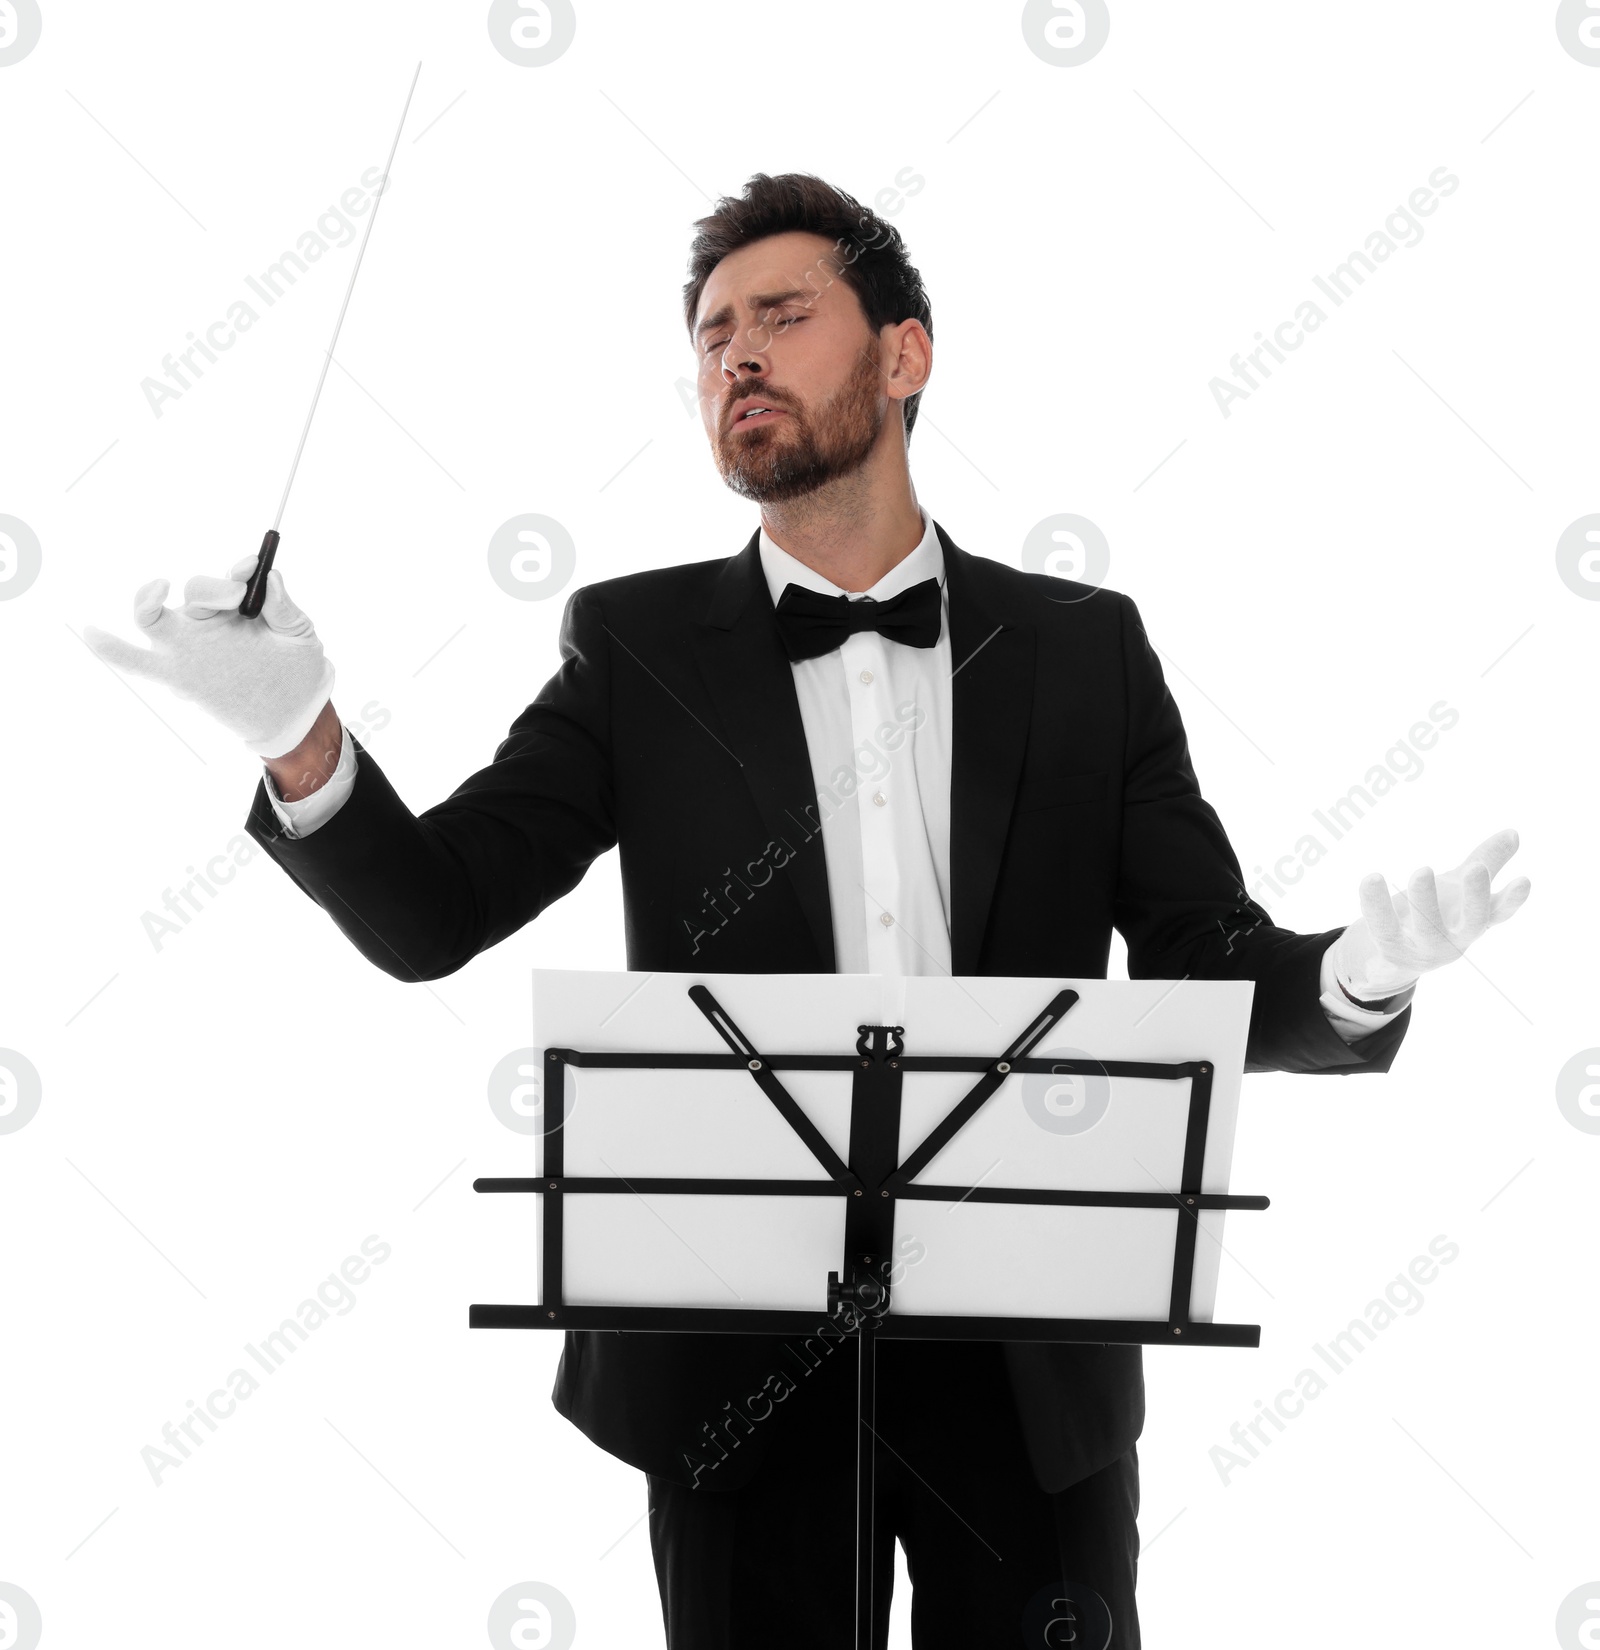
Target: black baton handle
x=255 y=592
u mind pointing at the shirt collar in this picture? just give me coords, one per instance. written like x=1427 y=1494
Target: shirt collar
x=925 y=562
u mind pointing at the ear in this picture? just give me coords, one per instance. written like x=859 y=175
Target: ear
x=907 y=353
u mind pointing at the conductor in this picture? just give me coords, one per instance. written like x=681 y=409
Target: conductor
x=851 y=746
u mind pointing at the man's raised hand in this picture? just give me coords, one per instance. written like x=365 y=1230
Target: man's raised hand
x=265 y=679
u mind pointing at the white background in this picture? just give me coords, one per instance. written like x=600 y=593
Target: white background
x=227 y=1115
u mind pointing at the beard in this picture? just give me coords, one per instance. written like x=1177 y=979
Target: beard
x=789 y=460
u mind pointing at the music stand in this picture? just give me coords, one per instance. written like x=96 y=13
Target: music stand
x=874 y=1179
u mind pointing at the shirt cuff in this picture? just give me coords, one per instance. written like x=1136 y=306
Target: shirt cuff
x=1343 y=1015
x=303 y=817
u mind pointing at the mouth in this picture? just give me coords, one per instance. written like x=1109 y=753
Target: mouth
x=756 y=415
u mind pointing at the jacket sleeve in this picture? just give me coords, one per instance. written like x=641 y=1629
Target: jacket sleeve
x=420 y=895
x=1181 y=904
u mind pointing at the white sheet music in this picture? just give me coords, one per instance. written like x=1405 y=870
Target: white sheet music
x=957 y=1256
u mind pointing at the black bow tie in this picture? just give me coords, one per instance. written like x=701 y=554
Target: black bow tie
x=812 y=623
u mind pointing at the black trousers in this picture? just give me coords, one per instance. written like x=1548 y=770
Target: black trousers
x=990 y=1555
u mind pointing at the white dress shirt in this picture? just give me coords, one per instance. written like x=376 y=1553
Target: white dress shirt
x=878 y=722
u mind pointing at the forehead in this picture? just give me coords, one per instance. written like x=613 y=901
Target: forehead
x=763 y=272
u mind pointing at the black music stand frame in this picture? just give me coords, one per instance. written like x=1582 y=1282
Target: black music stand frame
x=872 y=1181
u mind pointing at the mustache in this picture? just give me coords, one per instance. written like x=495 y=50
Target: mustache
x=757 y=394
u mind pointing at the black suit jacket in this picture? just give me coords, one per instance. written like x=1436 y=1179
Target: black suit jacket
x=672 y=729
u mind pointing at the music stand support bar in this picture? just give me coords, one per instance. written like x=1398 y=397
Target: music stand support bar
x=869 y=1241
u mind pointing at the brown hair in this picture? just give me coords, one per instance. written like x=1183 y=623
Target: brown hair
x=871 y=254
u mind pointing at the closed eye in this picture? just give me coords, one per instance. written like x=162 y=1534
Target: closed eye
x=780 y=326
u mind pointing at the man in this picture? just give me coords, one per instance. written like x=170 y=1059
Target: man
x=1027 y=787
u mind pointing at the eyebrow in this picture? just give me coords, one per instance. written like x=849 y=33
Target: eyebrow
x=762 y=301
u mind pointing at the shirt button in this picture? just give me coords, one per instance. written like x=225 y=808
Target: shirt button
x=885 y=919
x=866 y=676
x=879 y=798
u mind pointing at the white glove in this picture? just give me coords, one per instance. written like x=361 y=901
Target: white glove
x=1394 y=941
x=265 y=679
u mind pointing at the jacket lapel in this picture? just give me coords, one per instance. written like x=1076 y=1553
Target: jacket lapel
x=751 y=683
x=991 y=703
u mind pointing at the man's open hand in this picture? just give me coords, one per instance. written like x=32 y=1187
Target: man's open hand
x=1397 y=939
x=266 y=679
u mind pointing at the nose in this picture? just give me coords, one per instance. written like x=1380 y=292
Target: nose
x=746 y=353
x=740 y=366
